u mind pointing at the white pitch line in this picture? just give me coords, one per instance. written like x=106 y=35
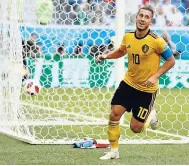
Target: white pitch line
x=64 y=112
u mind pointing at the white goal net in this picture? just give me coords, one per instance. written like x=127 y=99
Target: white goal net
x=60 y=39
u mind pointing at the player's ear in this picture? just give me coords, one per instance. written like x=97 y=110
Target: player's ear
x=152 y=21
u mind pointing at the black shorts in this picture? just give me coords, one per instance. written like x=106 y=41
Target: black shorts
x=140 y=103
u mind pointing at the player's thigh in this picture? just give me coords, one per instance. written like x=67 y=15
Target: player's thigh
x=117 y=112
x=142 y=106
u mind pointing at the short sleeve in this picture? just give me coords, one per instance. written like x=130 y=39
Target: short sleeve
x=123 y=44
x=163 y=49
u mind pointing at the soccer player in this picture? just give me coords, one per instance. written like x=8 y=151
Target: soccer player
x=29 y=48
x=26 y=71
x=137 y=91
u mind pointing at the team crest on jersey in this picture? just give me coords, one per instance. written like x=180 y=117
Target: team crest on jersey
x=145 y=48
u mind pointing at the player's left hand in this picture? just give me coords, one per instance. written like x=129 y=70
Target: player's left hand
x=26 y=72
x=151 y=81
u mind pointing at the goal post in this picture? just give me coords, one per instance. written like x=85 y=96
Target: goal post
x=120 y=31
x=74 y=102
x=11 y=67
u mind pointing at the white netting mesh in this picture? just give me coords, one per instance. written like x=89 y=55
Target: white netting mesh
x=60 y=41
x=11 y=68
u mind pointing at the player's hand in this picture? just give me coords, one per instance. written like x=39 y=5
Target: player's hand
x=26 y=72
x=100 y=58
x=151 y=81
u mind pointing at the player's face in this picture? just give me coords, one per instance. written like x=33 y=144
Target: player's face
x=143 y=19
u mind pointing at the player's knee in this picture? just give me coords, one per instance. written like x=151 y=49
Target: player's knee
x=117 y=112
x=136 y=128
x=114 y=116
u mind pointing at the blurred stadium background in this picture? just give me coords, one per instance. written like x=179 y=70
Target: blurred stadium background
x=86 y=28
x=102 y=15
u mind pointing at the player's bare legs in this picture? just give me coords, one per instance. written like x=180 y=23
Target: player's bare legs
x=152 y=121
x=114 y=128
x=114 y=131
x=136 y=126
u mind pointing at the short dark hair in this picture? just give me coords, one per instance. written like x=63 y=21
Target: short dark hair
x=147 y=8
x=60 y=49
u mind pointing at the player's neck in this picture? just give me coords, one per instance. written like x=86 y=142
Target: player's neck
x=141 y=33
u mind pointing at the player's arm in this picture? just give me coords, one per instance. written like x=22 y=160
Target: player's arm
x=165 y=52
x=112 y=55
x=118 y=53
x=169 y=63
x=167 y=55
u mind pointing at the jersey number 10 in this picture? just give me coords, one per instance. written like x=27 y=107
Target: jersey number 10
x=143 y=112
x=136 y=59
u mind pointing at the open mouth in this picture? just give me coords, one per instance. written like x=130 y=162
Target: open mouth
x=141 y=24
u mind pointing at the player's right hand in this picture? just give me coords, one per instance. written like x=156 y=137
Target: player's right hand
x=100 y=58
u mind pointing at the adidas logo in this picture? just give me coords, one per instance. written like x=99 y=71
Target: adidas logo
x=129 y=46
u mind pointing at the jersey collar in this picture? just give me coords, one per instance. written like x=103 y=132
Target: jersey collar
x=143 y=36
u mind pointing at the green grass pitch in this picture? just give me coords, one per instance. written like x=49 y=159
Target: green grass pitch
x=174 y=105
